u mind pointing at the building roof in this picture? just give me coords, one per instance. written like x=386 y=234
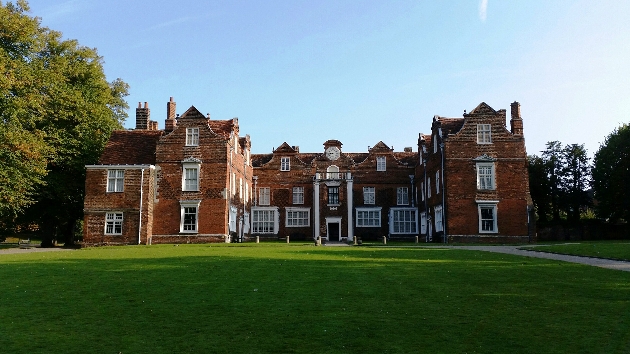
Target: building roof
x=451 y=125
x=222 y=127
x=131 y=147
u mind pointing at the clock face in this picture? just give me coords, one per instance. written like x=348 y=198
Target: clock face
x=332 y=153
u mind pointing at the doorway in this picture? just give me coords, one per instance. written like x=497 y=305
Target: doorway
x=334 y=229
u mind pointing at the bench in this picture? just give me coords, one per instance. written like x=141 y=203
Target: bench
x=26 y=243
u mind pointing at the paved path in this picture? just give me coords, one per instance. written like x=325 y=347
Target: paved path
x=32 y=249
x=519 y=251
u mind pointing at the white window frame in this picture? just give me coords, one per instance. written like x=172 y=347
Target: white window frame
x=190 y=184
x=429 y=187
x=264 y=196
x=422 y=188
x=438 y=218
x=192 y=136
x=369 y=195
x=232 y=218
x=113 y=222
x=402 y=196
x=189 y=207
x=381 y=163
x=269 y=222
x=246 y=223
x=338 y=193
x=297 y=217
x=437 y=182
x=484 y=134
x=368 y=217
x=423 y=223
x=484 y=226
x=298 y=195
x=435 y=144
x=115 y=181
x=285 y=164
x=408 y=225
x=485 y=176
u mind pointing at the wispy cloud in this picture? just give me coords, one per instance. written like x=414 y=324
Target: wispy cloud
x=483 y=9
x=171 y=23
x=62 y=10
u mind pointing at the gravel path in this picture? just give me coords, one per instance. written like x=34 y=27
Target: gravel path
x=32 y=249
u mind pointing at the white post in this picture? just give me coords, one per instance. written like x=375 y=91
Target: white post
x=316 y=208
x=350 y=222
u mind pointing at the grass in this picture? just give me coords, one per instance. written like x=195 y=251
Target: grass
x=298 y=298
x=619 y=250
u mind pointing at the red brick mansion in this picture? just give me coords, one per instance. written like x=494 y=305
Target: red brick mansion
x=196 y=181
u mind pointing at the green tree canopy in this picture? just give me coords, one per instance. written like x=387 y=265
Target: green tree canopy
x=57 y=110
x=611 y=176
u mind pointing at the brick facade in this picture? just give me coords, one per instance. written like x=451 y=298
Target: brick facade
x=200 y=183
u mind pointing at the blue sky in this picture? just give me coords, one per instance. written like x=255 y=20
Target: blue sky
x=364 y=71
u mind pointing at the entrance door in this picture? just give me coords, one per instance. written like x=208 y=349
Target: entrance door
x=333 y=231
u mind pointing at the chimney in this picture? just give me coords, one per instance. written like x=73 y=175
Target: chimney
x=142 y=116
x=516 y=122
x=170 y=122
x=153 y=125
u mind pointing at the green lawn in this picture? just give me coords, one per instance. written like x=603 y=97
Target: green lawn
x=602 y=249
x=298 y=298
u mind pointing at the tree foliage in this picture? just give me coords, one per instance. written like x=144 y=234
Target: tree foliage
x=559 y=181
x=611 y=176
x=57 y=110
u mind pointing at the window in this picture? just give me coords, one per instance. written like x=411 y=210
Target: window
x=438 y=219
x=264 y=195
x=423 y=223
x=115 y=180
x=369 y=195
x=368 y=217
x=487 y=218
x=285 y=164
x=232 y=219
x=404 y=221
x=332 y=172
x=240 y=187
x=437 y=182
x=246 y=197
x=429 y=188
x=113 y=223
x=298 y=195
x=484 y=134
x=192 y=136
x=485 y=176
x=191 y=179
x=380 y=163
x=298 y=217
x=402 y=196
x=435 y=144
x=333 y=195
x=189 y=216
x=264 y=220
x=422 y=188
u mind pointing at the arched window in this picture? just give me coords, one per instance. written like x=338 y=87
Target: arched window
x=332 y=172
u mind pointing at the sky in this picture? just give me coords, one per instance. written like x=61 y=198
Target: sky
x=364 y=71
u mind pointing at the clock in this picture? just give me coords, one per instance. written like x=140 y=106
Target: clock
x=332 y=153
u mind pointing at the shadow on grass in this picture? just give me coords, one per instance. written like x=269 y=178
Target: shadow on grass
x=206 y=298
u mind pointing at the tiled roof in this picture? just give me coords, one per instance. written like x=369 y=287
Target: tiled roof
x=222 y=127
x=407 y=158
x=358 y=157
x=131 y=147
x=451 y=125
x=260 y=159
x=307 y=158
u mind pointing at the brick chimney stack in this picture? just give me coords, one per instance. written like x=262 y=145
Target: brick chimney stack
x=516 y=122
x=142 y=116
x=170 y=122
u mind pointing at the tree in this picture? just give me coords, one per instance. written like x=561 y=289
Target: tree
x=539 y=187
x=611 y=176
x=58 y=111
x=559 y=181
x=575 y=180
x=552 y=156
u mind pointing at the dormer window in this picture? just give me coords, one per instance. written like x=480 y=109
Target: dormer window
x=285 y=164
x=484 y=134
x=192 y=136
x=380 y=163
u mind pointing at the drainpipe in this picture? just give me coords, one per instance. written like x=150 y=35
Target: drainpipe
x=426 y=198
x=141 y=193
x=443 y=196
